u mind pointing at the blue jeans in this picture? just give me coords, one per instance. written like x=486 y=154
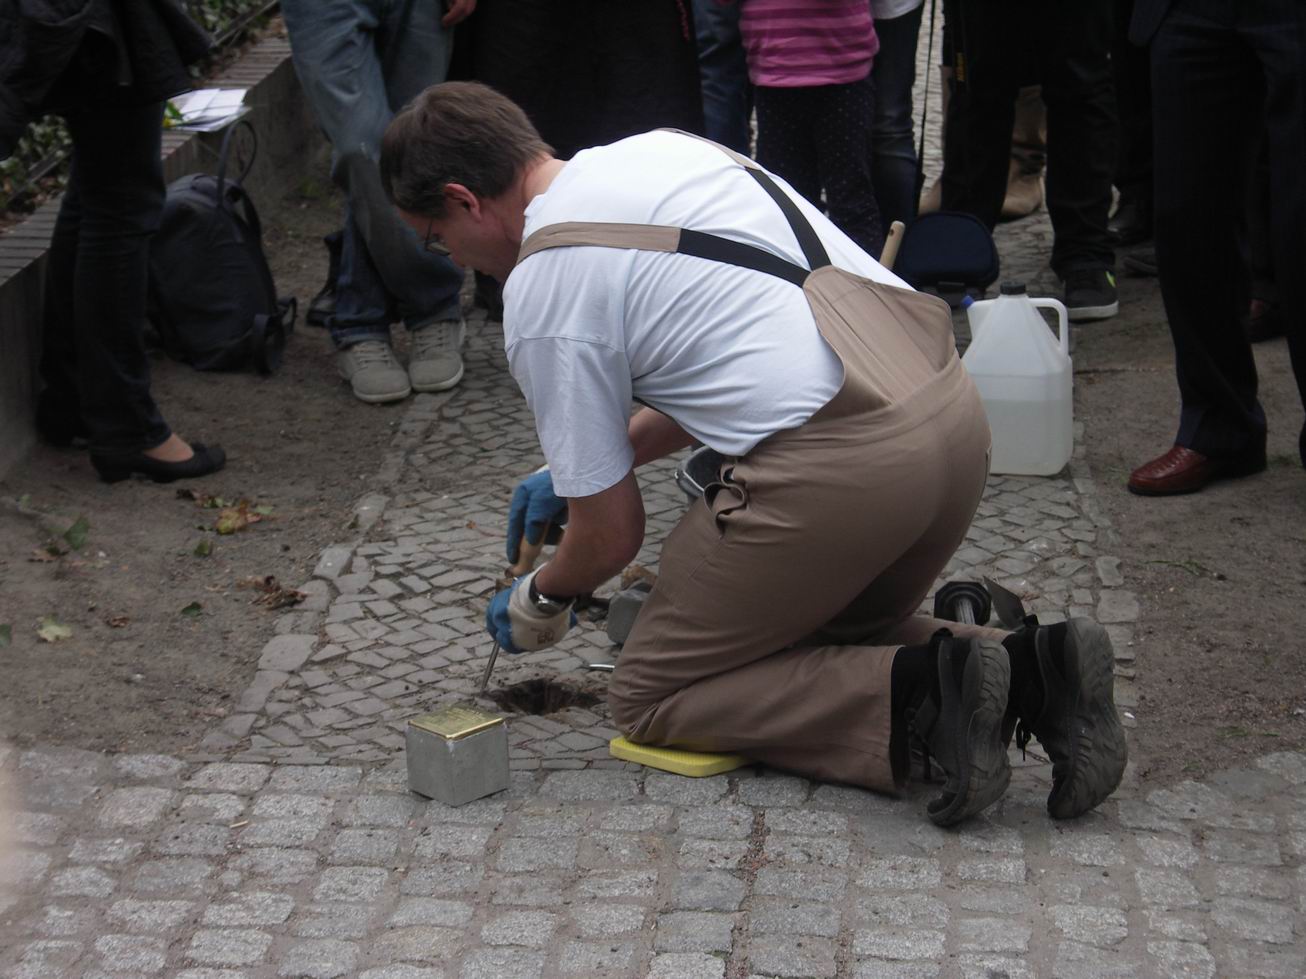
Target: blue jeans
x=723 y=73
x=340 y=49
x=893 y=148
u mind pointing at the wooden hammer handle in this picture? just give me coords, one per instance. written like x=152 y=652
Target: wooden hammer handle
x=528 y=554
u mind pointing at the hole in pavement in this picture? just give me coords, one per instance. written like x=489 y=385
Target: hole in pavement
x=544 y=695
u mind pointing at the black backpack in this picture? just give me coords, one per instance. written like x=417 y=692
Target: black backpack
x=948 y=254
x=212 y=298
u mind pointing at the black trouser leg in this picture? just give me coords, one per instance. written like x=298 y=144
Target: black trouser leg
x=786 y=142
x=61 y=404
x=1204 y=79
x=1075 y=70
x=1133 y=85
x=988 y=67
x=101 y=260
x=1276 y=29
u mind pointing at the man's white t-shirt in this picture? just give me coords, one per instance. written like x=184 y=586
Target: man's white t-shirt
x=731 y=354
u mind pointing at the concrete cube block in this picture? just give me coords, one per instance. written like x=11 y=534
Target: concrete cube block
x=457 y=754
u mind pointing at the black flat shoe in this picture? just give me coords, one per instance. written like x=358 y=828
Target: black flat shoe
x=116 y=468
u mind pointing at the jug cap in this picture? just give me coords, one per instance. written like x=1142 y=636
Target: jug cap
x=1012 y=288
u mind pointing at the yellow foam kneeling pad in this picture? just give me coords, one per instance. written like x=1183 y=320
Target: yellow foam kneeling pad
x=695 y=764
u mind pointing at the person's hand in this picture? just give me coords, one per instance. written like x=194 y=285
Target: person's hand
x=456 y=11
x=518 y=626
x=533 y=508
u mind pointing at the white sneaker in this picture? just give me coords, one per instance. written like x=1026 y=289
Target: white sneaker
x=373 y=372
x=434 y=361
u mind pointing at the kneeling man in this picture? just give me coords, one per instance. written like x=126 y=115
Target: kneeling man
x=666 y=270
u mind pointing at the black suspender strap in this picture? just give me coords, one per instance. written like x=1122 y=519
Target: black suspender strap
x=808 y=241
x=731 y=252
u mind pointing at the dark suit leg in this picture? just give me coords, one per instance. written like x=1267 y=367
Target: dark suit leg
x=1204 y=79
x=1276 y=30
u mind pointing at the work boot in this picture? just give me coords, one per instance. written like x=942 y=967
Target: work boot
x=489 y=296
x=323 y=306
x=373 y=372
x=961 y=726
x=1132 y=222
x=1024 y=192
x=1067 y=701
x=1029 y=142
x=434 y=361
x=1141 y=261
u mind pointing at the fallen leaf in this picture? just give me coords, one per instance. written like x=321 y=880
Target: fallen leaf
x=44 y=555
x=204 y=548
x=117 y=621
x=6 y=634
x=192 y=611
x=51 y=630
x=238 y=517
x=264 y=510
x=76 y=534
x=202 y=499
x=273 y=594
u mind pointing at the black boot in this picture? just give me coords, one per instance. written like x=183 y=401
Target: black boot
x=323 y=306
x=489 y=296
x=1065 y=697
x=960 y=723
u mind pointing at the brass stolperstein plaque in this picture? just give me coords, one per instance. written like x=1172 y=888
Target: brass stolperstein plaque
x=452 y=723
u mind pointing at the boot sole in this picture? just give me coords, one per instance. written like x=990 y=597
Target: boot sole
x=984 y=769
x=1098 y=750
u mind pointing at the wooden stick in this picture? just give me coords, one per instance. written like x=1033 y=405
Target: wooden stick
x=527 y=555
x=891 y=242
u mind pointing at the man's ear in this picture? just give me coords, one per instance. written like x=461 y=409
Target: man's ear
x=457 y=195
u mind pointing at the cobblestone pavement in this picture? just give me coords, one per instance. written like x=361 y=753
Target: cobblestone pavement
x=287 y=845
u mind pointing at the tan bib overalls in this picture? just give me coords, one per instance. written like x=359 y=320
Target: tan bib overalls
x=783 y=595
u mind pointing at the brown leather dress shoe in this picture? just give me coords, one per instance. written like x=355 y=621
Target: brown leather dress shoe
x=1181 y=470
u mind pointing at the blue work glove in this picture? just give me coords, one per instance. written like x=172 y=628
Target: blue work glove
x=518 y=626
x=534 y=507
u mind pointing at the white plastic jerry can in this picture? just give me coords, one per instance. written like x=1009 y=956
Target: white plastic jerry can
x=1023 y=374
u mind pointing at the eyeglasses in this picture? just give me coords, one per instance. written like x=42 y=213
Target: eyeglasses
x=432 y=242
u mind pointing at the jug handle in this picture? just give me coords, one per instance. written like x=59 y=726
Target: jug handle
x=1063 y=331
